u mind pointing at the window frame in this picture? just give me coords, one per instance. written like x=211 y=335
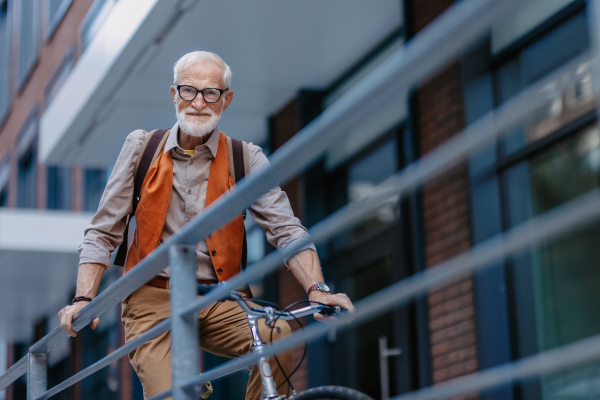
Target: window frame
x=25 y=72
x=9 y=59
x=95 y=15
x=4 y=181
x=25 y=146
x=497 y=289
x=50 y=23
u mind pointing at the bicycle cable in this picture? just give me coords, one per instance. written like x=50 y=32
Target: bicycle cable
x=273 y=326
x=285 y=376
x=310 y=302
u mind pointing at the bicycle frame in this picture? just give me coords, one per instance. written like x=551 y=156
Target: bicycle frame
x=259 y=347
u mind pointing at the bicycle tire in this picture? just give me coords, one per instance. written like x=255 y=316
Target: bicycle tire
x=330 y=392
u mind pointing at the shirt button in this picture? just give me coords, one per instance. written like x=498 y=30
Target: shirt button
x=220 y=271
x=214 y=252
x=190 y=191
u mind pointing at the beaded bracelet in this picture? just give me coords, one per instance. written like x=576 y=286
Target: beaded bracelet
x=81 y=298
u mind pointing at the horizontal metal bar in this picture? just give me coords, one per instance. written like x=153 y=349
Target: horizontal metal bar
x=17 y=370
x=558 y=359
x=414 y=62
x=255 y=271
x=476 y=136
x=452 y=152
x=574 y=215
x=151 y=333
x=428 y=51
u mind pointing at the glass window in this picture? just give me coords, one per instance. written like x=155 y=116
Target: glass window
x=93 y=20
x=4 y=181
x=543 y=56
x=29 y=47
x=363 y=177
x=27 y=183
x=59 y=188
x=4 y=59
x=564 y=99
x=359 y=181
x=95 y=182
x=54 y=11
x=557 y=285
x=27 y=164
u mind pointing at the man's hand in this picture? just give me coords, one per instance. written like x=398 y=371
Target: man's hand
x=338 y=299
x=66 y=317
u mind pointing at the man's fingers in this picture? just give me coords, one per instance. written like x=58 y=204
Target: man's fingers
x=95 y=323
x=65 y=323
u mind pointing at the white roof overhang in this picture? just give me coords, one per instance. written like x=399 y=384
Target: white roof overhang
x=121 y=82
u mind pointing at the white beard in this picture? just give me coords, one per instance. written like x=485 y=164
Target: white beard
x=193 y=127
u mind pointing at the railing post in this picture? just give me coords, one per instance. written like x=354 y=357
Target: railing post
x=184 y=329
x=36 y=375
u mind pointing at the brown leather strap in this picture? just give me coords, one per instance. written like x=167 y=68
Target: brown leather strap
x=140 y=174
x=163 y=282
x=238 y=167
x=145 y=164
x=238 y=159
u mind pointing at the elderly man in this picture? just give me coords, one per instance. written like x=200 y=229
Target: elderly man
x=180 y=190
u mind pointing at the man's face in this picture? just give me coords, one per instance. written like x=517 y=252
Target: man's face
x=197 y=117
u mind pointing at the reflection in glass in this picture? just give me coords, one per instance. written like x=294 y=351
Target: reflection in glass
x=563 y=99
x=564 y=273
x=363 y=178
x=363 y=340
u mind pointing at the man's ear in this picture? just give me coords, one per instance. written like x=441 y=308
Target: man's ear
x=173 y=94
x=228 y=98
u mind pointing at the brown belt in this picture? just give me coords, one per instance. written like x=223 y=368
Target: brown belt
x=163 y=283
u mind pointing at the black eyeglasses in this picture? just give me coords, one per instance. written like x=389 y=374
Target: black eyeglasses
x=210 y=95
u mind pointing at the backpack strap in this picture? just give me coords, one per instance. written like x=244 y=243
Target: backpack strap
x=150 y=151
x=237 y=152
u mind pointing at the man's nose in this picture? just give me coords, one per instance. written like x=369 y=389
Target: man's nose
x=198 y=103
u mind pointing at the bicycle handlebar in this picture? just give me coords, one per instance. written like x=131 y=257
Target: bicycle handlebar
x=267 y=312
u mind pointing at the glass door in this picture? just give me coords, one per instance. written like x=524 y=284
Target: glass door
x=360 y=270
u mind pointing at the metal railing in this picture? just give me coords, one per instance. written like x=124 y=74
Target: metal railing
x=429 y=51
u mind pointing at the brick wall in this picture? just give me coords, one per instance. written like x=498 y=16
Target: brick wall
x=32 y=93
x=282 y=127
x=447 y=223
x=424 y=11
x=446 y=213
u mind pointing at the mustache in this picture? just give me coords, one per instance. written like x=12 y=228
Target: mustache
x=205 y=110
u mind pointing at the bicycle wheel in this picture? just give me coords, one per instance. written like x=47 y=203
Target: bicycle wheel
x=330 y=392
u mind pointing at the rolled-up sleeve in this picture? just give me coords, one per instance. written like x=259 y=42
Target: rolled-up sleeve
x=273 y=212
x=105 y=232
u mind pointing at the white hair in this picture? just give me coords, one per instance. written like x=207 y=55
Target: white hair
x=197 y=56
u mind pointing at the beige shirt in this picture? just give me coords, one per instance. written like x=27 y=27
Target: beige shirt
x=271 y=211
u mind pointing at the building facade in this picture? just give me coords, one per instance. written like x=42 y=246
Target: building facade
x=76 y=76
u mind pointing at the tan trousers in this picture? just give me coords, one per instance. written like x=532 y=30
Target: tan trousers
x=223 y=331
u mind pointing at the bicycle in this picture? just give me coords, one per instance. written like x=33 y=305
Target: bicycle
x=271 y=315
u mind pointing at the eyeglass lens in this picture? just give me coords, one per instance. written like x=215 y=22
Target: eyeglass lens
x=189 y=93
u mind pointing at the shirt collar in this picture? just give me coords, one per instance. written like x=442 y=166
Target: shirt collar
x=212 y=142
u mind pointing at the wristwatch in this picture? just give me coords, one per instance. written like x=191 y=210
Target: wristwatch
x=319 y=286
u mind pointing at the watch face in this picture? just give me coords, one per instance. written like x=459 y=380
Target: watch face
x=323 y=287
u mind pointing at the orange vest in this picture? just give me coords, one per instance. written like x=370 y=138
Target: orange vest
x=224 y=245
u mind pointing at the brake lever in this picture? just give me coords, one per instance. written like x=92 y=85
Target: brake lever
x=330 y=311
